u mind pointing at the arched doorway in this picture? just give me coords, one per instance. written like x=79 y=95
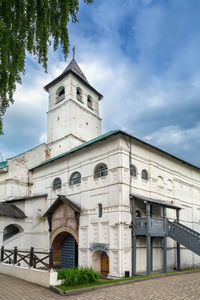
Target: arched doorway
x=65 y=250
x=100 y=262
x=69 y=252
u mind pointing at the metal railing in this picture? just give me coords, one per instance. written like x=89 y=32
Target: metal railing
x=156 y=227
x=184 y=235
x=32 y=258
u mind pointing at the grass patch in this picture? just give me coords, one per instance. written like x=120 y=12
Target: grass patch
x=105 y=282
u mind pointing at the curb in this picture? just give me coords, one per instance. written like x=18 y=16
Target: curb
x=98 y=287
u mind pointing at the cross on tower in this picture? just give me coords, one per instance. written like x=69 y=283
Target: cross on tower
x=73 y=49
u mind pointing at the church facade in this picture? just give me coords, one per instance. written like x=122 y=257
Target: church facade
x=101 y=200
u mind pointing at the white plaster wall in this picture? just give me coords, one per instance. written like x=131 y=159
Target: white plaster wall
x=34 y=230
x=70 y=121
x=40 y=277
x=169 y=180
x=15 y=182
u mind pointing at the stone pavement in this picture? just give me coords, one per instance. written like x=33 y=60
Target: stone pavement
x=177 y=287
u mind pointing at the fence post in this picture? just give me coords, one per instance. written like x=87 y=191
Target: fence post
x=15 y=256
x=2 y=253
x=34 y=262
x=31 y=257
x=51 y=258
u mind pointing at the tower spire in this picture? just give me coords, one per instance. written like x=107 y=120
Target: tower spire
x=73 y=49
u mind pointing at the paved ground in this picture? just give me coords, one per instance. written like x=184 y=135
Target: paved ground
x=178 y=287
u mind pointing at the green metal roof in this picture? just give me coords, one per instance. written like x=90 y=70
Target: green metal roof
x=99 y=138
x=108 y=134
x=28 y=151
x=3 y=164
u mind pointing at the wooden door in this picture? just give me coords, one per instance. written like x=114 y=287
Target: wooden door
x=104 y=264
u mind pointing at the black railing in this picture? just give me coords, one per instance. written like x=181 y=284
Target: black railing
x=185 y=236
x=156 y=227
x=32 y=258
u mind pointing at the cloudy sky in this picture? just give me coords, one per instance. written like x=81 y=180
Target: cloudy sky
x=143 y=56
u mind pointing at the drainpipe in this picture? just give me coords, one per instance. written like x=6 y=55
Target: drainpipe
x=133 y=208
x=178 y=245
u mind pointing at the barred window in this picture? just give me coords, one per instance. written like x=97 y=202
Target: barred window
x=101 y=170
x=75 y=178
x=144 y=175
x=57 y=183
x=133 y=171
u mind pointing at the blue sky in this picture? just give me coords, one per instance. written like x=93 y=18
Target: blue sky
x=143 y=56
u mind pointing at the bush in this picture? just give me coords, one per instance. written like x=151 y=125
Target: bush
x=75 y=276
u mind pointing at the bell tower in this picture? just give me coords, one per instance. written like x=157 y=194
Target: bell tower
x=73 y=114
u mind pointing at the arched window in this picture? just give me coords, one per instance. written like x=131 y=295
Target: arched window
x=133 y=171
x=75 y=178
x=79 y=94
x=144 y=175
x=10 y=230
x=100 y=210
x=101 y=170
x=57 y=183
x=60 y=94
x=89 y=101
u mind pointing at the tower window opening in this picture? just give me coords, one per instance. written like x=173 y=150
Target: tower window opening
x=89 y=101
x=60 y=94
x=79 y=94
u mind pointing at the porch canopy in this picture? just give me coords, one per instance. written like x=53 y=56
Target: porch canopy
x=152 y=227
x=156 y=201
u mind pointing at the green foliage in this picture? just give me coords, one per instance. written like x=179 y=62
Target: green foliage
x=29 y=26
x=75 y=276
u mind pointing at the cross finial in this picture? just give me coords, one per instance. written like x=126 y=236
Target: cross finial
x=73 y=52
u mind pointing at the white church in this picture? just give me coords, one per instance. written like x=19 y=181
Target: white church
x=110 y=201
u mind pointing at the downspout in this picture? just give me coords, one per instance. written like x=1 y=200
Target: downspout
x=133 y=212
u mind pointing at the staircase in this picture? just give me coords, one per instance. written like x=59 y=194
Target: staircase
x=184 y=235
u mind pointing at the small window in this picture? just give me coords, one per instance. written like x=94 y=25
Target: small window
x=89 y=101
x=57 y=183
x=79 y=94
x=133 y=171
x=60 y=94
x=101 y=170
x=9 y=231
x=144 y=175
x=100 y=210
x=75 y=178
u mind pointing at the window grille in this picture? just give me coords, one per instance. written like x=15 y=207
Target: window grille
x=101 y=170
x=75 y=178
x=57 y=183
x=144 y=175
x=133 y=171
